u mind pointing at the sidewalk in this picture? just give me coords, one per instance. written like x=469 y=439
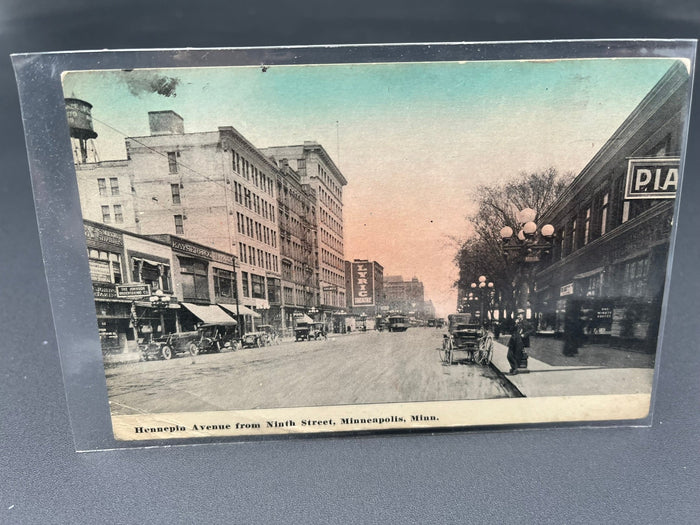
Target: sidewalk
x=576 y=379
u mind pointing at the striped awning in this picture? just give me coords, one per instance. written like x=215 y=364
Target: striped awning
x=209 y=313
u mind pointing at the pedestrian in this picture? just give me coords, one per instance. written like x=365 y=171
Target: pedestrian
x=526 y=329
x=515 y=349
x=573 y=330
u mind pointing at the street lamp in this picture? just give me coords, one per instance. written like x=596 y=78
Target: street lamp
x=481 y=291
x=160 y=301
x=528 y=242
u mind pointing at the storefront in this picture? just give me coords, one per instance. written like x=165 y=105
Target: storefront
x=605 y=273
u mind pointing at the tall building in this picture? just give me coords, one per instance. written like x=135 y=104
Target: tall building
x=296 y=211
x=213 y=188
x=613 y=225
x=316 y=169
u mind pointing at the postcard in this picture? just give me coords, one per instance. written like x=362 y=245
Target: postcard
x=365 y=246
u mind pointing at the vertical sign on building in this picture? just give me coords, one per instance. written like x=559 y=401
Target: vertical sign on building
x=362 y=284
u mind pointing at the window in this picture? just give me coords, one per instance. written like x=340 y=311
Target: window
x=118 y=215
x=172 y=161
x=625 y=211
x=224 y=283
x=105 y=267
x=102 y=187
x=179 y=226
x=157 y=275
x=195 y=282
x=257 y=285
x=587 y=226
x=273 y=290
x=114 y=185
x=244 y=284
x=106 y=217
x=573 y=236
x=634 y=278
x=604 y=214
x=175 y=191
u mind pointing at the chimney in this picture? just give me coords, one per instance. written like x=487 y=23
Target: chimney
x=166 y=123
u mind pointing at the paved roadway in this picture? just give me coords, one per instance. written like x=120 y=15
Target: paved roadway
x=357 y=368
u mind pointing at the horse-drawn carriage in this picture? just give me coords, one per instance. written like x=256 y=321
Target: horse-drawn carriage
x=473 y=342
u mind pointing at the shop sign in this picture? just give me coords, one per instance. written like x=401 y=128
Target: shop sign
x=133 y=291
x=104 y=291
x=567 y=289
x=652 y=178
x=201 y=252
x=95 y=236
x=362 y=284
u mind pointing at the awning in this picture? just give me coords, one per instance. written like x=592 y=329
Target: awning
x=589 y=274
x=209 y=314
x=242 y=310
x=303 y=319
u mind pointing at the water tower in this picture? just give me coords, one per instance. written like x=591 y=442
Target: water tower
x=79 y=115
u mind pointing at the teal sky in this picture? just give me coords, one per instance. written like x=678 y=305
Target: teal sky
x=413 y=139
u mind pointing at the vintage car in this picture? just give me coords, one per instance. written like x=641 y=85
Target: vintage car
x=254 y=340
x=318 y=331
x=167 y=346
x=215 y=338
x=302 y=331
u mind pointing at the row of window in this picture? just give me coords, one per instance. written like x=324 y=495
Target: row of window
x=257 y=257
x=332 y=277
x=251 y=173
x=114 y=212
x=297 y=296
x=331 y=241
x=327 y=218
x=329 y=202
x=256 y=230
x=253 y=202
x=332 y=259
x=113 y=187
x=330 y=182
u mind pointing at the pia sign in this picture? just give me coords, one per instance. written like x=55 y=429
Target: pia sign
x=655 y=178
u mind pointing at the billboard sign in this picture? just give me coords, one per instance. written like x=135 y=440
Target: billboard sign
x=652 y=178
x=362 y=284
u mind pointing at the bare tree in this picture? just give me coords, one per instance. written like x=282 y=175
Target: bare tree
x=482 y=253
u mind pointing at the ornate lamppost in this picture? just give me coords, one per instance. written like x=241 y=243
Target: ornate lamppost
x=160 y=301
x=482 y=291
x=527 y=246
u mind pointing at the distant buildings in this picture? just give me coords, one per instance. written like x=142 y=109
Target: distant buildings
x=407 y=296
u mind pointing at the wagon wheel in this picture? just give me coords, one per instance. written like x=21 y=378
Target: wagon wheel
x=447 y=350
x=166 y=353
x=194 y=349
x=485 y=350
x=258 y=342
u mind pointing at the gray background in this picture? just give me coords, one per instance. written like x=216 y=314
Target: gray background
x=622 y=475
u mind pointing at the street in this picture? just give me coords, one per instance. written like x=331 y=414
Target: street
x=357 y=368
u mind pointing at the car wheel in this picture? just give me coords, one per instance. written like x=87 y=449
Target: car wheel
x=194 y=349
x=166 y=353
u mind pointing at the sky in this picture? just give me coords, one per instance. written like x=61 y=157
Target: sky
x=414 y=140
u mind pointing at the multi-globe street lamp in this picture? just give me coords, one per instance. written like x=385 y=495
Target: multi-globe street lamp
x=527 y=246
x=529 y=243
x=482 y=291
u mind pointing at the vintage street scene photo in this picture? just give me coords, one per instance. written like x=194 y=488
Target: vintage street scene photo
x=374 y=246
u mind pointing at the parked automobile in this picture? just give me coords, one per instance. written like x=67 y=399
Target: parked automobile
x=167 y=346
x=215 y=338
x=254 y=340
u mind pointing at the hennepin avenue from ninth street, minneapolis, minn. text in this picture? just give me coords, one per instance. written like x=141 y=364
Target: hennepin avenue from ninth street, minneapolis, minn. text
x=356 y=234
